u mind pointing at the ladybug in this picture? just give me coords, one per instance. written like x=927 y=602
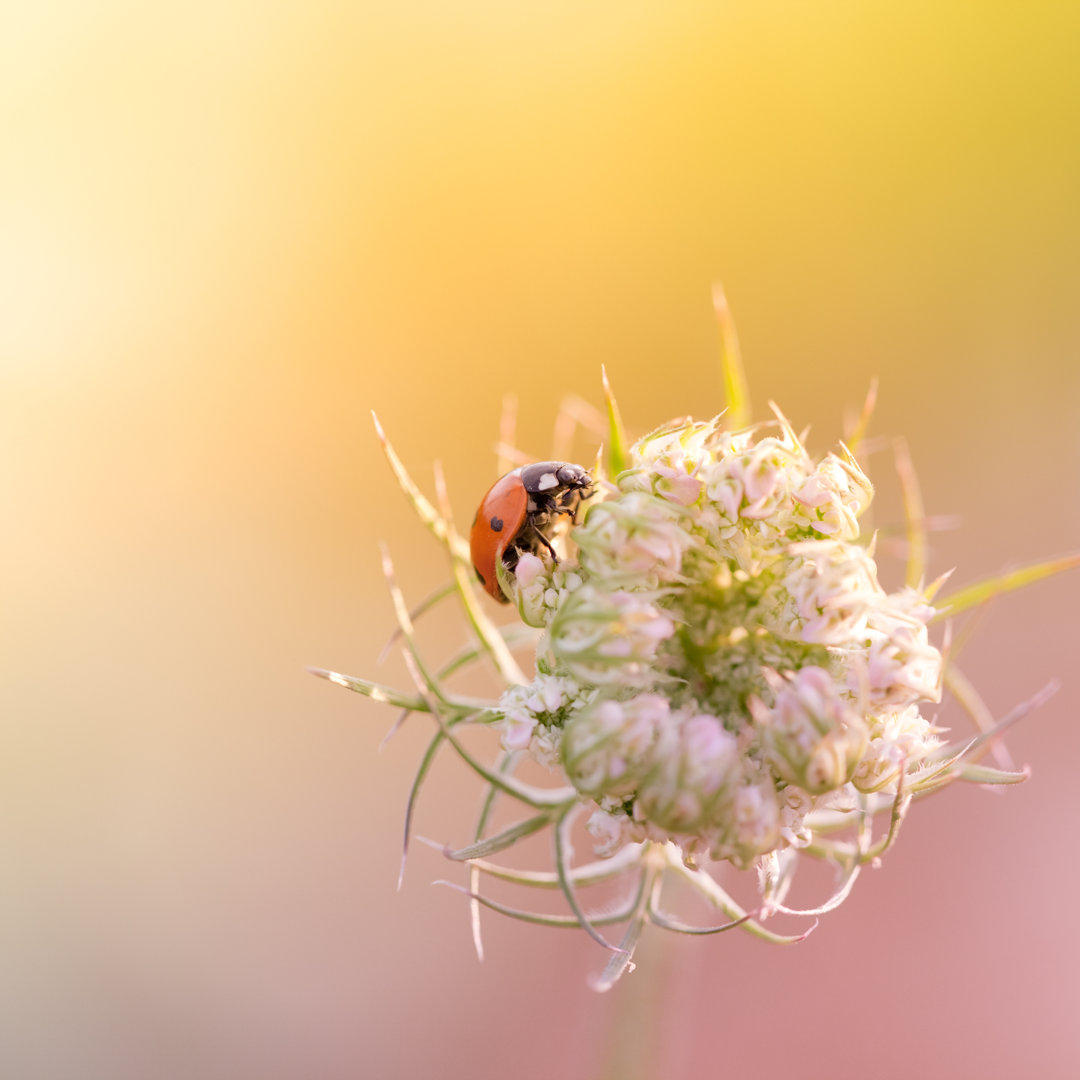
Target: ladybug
x=517 y=515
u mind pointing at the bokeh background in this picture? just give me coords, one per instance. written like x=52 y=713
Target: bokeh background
x=231 y=229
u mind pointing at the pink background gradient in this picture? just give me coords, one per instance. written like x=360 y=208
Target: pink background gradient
x=230 y=230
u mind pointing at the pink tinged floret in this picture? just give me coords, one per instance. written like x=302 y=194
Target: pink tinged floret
x=529 y=568
x=812 y=735
x=901 y=664
x=643 y=620
x=756 y=817
x=727 y=493
x=748 y=805
x=760 y=478
x=714 y=749
x=551 y=696
x=608 y=716
x=518 y=727
x=649 y=712
x=677 y=485
x=685 y=809
x=647 y=547
x=813 y=493
x=607 y=830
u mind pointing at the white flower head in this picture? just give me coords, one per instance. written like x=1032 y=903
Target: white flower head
x=742 y=656
x=720 y=676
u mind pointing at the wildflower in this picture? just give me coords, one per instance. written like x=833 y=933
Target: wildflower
x=720 y=676
x=733 y=651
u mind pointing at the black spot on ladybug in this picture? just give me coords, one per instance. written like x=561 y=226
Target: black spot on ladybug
x=496 y=524
x=483 y=583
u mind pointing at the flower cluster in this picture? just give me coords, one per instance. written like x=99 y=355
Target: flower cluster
x=719 y=678
x=731 y=659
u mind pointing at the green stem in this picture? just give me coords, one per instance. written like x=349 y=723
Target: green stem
x=633 y=1042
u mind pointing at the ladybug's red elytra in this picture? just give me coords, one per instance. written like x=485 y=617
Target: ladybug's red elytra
x=518 y=512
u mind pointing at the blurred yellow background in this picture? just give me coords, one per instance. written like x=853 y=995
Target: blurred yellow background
x=228 y=231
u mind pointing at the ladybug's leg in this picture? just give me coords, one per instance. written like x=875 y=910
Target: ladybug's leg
x=547 y=543
x=510 y=557
x=544 y=503
x=572 y=504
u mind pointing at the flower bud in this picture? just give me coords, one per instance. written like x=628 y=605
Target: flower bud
x=898 y=740
x=812 y=737
x=833 y=497
x=608 y=830
x=746 y=820
x=902 y=667
x=833 y=588
x=533 y=581
x=694 y=761
x=666 y=464
x=607 y=749
x=637 y=537
x=613 y=636
x=756 y=822
x=768 y=471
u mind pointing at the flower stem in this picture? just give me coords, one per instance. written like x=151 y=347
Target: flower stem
x=633 y=1041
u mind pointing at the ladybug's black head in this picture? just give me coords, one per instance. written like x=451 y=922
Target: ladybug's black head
x=573 y=476
x=550 y=477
